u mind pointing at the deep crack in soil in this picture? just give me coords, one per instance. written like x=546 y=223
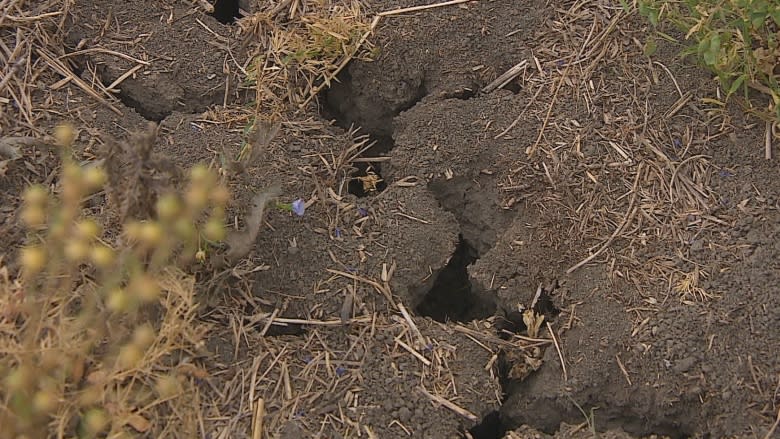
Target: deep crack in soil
x=453 y=297
x=226 y=11
x=351 y=103
x=350 y=106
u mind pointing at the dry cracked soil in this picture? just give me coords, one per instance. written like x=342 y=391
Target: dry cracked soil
x=488 y=198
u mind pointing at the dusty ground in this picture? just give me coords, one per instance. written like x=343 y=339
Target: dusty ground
x=593 y=149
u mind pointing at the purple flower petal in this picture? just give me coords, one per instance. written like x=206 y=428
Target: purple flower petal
x=298 y=207
x=362 y=211
x=338 y=232
x=340 y=371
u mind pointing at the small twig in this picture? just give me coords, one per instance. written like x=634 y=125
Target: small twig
x=507 y=76
x=681 y=102
x=124 y=76
x=517 y=119
x=411 y=323
x=376 y=286
x=412 y=351
x=537 y=295
x=412 y=218
x=257 y=426
x=674 y=81
x=450 y=405
x=269 y=322
x=560 y=353
x=107 y=52
x=421 y=8
x=623 y=369
x=336 y=322
x=11 y=72
x=768 y=142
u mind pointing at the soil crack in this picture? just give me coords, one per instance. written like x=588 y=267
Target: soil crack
x=226 y=11
x=453 y=297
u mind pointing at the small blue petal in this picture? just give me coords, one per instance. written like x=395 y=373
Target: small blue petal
x=298 y=207
x=340 y=371
x=724 y=173
x=677 y=142
x=362 y=211
x=338 y=232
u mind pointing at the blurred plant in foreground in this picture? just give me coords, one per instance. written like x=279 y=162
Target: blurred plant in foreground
x=96 y=332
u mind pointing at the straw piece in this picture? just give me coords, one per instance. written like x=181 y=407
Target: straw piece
x=506 y=77
x=257 y=426
x=421 y=8
x=411 y=350
x=560 y=353
x=411 y=323
x=64 y=71
x=450 y=405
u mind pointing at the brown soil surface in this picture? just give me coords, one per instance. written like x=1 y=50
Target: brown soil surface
x=671 y=329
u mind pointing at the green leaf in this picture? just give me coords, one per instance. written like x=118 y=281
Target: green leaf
x=776 y=16
x=667 y=37
x=712 y=50
x=757 y=19
x=653 y=17
x=736 y=84
x=650 y=11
